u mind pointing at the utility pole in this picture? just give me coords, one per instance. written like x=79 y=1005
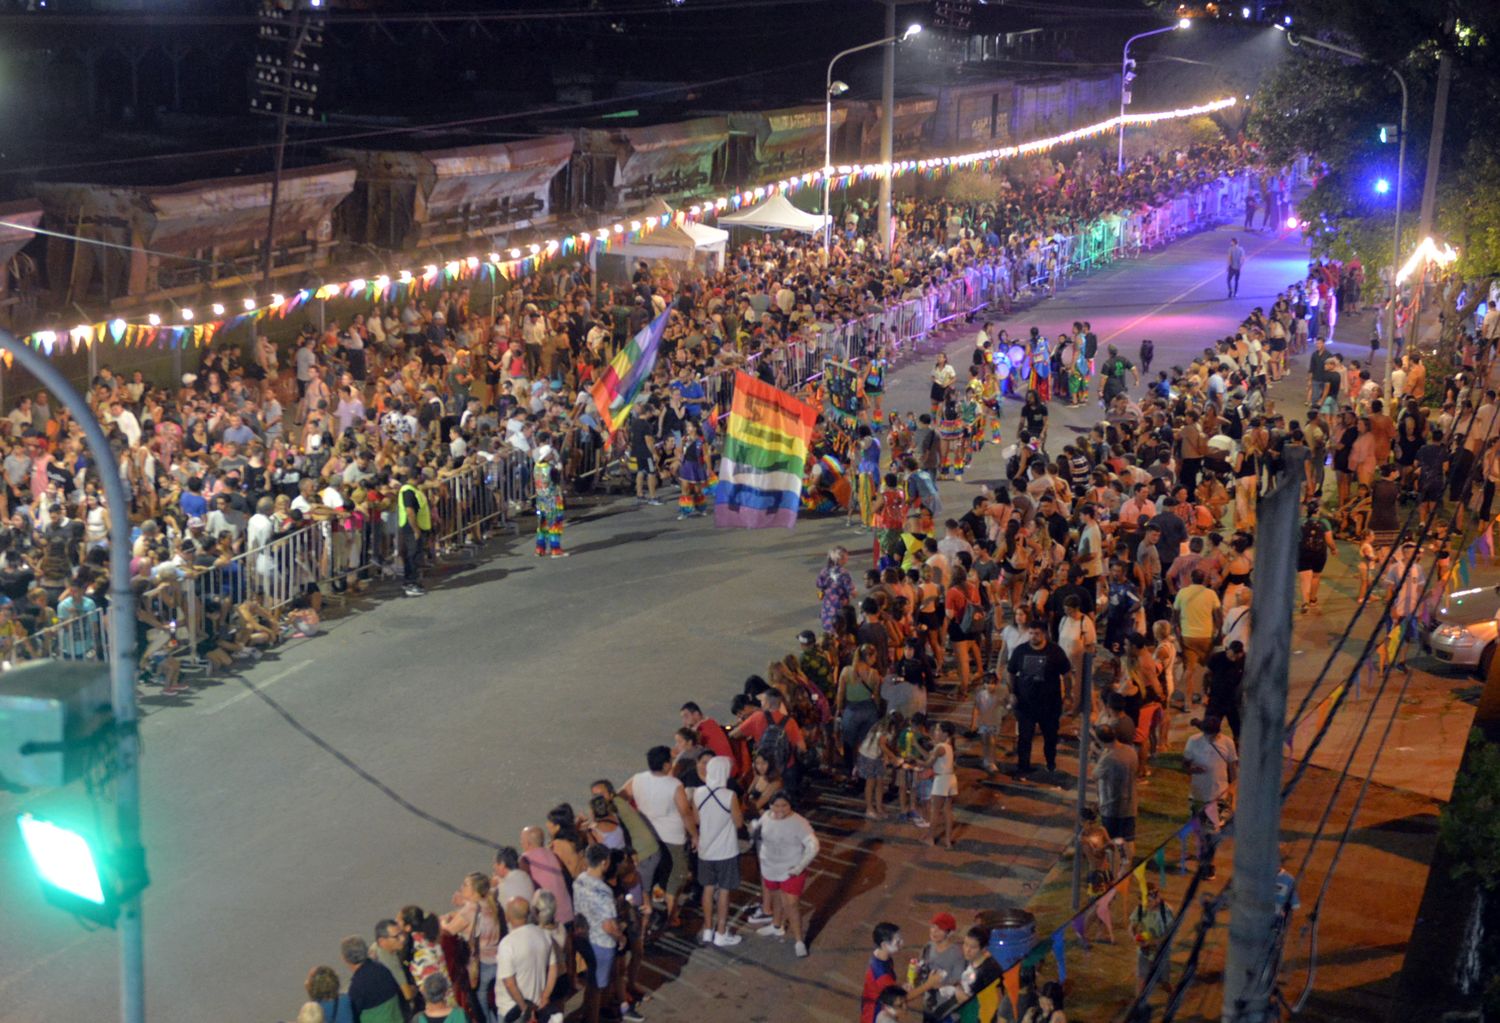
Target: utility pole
x=285 y=86
x=127 y=777
x=1257 y=821
x=887 y=125
x=1434 y=166
x=1085 y=735
x=1439 y=125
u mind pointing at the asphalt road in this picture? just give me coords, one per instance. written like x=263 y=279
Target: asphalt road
x=282 y=818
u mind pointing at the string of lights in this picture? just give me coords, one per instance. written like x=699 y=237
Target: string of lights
x=518 y=261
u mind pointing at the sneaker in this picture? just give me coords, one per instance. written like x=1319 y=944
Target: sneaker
x=727 y=940
x=413 y=591
x=920 y=821
x=706 y=936
x=771 y=931
x=801 y=949
x=561 y=554
x=684 y=515
x=630 y=1014
x=760 y=916
x=174 y=689
x=653 y=502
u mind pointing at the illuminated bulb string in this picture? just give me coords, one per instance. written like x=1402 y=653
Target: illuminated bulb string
x=520 y=262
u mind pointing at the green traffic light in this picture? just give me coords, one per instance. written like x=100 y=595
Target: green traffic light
x=63 y=858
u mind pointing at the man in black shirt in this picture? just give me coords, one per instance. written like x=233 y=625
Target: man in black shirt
x=373 y=993
x=643 y=423
x=1226 y=673
x=974 y=518
x=1055 y=521
x=1037 y=671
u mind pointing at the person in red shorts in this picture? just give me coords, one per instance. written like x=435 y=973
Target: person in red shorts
x=786 y=848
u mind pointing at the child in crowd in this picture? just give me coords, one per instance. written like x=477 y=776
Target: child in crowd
x=988 y=707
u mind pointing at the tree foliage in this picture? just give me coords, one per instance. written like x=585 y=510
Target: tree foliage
x=1330 y=107
x=1469 y=827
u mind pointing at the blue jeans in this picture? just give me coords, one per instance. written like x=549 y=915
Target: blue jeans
x=486 y=982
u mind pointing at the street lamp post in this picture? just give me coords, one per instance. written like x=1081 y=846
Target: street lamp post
x=828 y=93
x=1125 y=81
x=1391 y=284
x=121 y=667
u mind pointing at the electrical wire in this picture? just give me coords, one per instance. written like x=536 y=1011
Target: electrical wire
x=335 y=19
x=1278 y=936
x=102 y=243
x=417 y=129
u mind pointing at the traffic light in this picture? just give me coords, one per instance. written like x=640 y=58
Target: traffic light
x=82 y=866
x=58 y=738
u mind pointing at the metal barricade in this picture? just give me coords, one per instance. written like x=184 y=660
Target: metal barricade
x=81 y=638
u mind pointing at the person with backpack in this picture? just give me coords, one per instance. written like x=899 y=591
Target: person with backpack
x=1315 y=543
x=719 y=819
x=968 y=619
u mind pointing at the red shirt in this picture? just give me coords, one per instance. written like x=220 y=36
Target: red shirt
x=880 y=975
x=711 y=737
x=754 y=726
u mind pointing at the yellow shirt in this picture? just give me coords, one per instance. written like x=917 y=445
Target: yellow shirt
x=1197 y=604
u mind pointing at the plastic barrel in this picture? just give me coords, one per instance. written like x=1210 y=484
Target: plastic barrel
x=1012 y=933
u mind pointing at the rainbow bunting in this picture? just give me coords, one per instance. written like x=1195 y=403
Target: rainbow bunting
x=1483 y=546
x=1059 y=943
x=766 y=441
x=616 y=390
x=1393 y=643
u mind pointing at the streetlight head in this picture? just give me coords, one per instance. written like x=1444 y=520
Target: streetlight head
x=838 y=88
x=1184 y=22
x=911 y=30
x=1244 y=12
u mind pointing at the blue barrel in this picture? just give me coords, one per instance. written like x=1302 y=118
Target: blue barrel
x=1012 y=934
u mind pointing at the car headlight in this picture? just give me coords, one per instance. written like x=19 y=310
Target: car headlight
x=1454 y=634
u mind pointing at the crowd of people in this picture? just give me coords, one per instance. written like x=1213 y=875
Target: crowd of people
x=375 y=439
x=1119 y=561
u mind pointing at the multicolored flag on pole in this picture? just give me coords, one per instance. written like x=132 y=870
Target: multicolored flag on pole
x=621 y=381
x=766 y=441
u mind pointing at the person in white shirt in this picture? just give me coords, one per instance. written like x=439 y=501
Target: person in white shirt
x=786 y=849
x=663 y=801
x=719 y=820
x=952 y=544
x=1212 y=761
x=1076 y=636
x=125 y=421
x=526 y=964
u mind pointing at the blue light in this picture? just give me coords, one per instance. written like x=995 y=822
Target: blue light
x=1382 y=186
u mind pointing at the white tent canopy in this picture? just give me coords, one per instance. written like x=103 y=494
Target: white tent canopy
x=680 y=242
x=775 y=214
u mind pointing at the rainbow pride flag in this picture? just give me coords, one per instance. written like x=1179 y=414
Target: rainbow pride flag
x=766 y=441
x=615 y=392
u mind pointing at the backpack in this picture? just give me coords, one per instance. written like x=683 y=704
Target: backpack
x=774 y=744
x=1313 y=541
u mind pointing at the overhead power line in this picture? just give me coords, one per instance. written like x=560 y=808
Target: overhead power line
x=336 y=18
